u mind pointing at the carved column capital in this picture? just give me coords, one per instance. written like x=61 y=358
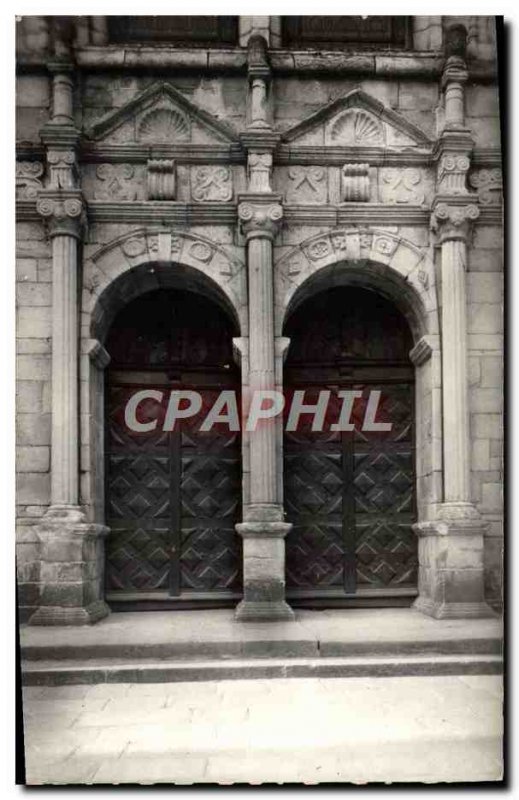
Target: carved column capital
x=452 y=173
x=260 y=219
x=64 y=212
x=453 y=221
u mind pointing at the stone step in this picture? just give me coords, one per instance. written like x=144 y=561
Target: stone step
x=118 y=670
x=183 y=650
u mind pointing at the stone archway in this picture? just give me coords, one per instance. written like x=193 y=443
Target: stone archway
x=404 y=275
x=119 y=273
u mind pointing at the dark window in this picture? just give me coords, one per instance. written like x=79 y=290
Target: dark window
x=336 y=32
x=189 y=31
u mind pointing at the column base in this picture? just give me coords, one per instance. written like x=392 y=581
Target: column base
x=263 y=572
x=71 y=571
x=453 y=610
x=263 y=611
x=451 y=567
x=59 y=615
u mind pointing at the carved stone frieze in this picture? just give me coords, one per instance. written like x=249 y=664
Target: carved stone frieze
x=260 y=219
x=28 y=179
x=355 y=183
x=211 y=184
x=399 y=186
x=489 y=186
x=161 y=179
x=115 y=182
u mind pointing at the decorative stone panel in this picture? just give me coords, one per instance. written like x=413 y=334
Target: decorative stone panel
x=489 y=186
x=403 y=186
x=161 y=179
x=306 y=185
x=28 y=179
x=210 y=184
x=355 y=183
x=116 y=182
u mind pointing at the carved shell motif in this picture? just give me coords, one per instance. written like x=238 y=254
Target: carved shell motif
x=163 y=125
x=356 y=127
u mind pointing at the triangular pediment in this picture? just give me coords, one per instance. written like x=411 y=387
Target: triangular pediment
x=357 y=120
x=161 y=115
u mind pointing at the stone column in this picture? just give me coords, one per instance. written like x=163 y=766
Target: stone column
x=72 y=554
x=263 y=528
x=451 y=581
x=451 y=575
x=63 y=211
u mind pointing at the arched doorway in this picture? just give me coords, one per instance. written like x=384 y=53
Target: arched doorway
x=350 y=494
x=172 y=496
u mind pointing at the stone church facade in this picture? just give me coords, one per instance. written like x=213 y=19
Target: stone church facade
x=245 y=204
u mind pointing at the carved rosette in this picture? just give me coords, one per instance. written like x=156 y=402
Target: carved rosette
x=453 y=221
x=64 y=212
x=452 y=174
x=260 y=220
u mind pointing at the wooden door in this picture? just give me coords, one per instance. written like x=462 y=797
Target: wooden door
x=172 y=498
x=350 y=495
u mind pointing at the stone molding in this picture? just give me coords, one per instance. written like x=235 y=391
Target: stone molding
x=453 y=222
x=260 y=217
x=64 y=212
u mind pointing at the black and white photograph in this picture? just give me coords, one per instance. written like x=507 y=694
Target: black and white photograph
x=260 y=430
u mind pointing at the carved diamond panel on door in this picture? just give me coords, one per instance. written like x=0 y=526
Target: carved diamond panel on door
x=211 y=494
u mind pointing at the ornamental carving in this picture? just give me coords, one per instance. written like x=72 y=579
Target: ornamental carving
x=134 y=247
x=306 y=185
x=116 y=182
x=161 y=178
x=489 y=185
x=211 y=184
x=452 y=174
x=64 y=212
x=163 y=125
x=201 y=251
x=259 y=167
x=260 y=219
x=318 y=249
x=399 y=186
x=356 y=127
x=355 y=183
x=28 y=183
x=453 y=221
x=62 y=169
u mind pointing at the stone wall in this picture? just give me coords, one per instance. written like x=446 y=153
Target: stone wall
x=408 y=85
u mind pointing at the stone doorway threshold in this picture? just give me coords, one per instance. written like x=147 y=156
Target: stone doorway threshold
x=165 y=646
